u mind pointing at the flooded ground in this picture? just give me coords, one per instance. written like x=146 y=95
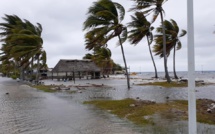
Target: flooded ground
x=29 y=111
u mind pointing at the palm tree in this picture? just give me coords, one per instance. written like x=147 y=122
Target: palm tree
x=104 y=23
x=141 y=28
x=102 y=58
x=155 y=7
x=40 y=57
x=88 y=56
x=172 y=39
x=25 y=45
x=8 y=68
x=22 y=40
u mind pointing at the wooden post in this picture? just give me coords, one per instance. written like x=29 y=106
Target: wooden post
x=79 y=75
x=74 y=75
x=52 y=75
x=58 y=77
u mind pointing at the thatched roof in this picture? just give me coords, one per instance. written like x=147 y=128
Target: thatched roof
x=76 y=65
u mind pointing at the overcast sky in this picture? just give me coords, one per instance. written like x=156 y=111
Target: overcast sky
x=62 y=22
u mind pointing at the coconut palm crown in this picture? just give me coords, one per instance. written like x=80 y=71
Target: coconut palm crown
x=172 y=40
x=103 y=23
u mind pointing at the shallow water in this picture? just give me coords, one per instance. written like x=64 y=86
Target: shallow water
x=29 y=111
x=116 y=89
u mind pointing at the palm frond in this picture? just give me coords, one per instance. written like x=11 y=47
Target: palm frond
x=121 y=10
x=183 y=33
x=179 y=45
x=124 y=35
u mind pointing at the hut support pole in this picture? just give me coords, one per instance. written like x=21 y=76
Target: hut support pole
x=58 y=77
x=74 y=76
x=79 y=75
x=52 y=75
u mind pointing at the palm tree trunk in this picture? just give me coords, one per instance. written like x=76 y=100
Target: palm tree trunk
x=164 y=50
x=126 y=69
x=38 y=69
x=21 y=73
x=156 y=74
x=175 y=76
x=31 y=69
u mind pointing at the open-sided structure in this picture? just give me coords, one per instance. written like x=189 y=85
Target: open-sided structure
x=70 y=69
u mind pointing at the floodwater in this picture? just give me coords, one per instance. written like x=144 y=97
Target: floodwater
x=29 y=111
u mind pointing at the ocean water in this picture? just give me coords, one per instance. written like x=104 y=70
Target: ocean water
x=183 y=74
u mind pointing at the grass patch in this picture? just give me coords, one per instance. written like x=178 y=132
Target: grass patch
x=202 y=114
x=171 y=84
x=71 y=92
x=166 y=84
x=141 y=112
x=45 y=88
x=51 y=88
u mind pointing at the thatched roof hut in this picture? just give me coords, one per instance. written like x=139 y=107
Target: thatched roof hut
x=80 y=67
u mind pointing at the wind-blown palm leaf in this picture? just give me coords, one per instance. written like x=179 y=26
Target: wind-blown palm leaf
x=148 y=7
x=121 y=10
x=183 y=33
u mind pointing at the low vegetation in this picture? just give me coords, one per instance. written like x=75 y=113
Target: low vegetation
x=45 y=88
x=52 y=88
x=172 y=84
x=141 y=112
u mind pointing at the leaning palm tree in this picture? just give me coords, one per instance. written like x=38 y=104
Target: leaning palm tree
x=172 y=40
x=25 y=45
x=155 y=7
x=12 y=25
x=141 y=28
x=22 y=40
x=104 y=23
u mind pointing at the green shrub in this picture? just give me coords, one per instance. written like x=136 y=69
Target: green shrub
x=14 y=77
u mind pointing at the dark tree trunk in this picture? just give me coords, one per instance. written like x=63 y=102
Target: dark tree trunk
x=38 y=69
x=126 y=69
x=175 y=75
x=156 y=74
x=164 y=50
